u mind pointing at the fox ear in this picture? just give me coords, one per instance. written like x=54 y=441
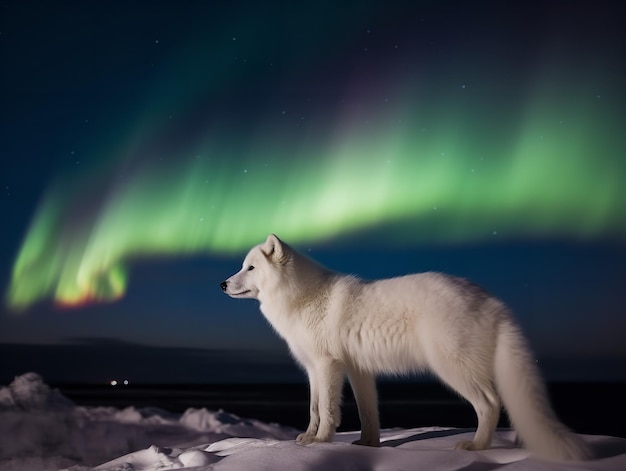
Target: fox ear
x=273 y=247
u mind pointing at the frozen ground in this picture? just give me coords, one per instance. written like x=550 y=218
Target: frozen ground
x=41 y=430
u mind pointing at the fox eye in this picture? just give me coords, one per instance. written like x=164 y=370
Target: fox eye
x=251 y=267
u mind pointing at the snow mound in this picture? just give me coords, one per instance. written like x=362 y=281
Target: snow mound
x=230 y=424
x=29 y=393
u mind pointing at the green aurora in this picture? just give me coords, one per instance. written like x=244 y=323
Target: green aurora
x=422 y=154
x=550 y=181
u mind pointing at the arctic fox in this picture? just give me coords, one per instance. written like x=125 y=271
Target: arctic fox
x=338 y=325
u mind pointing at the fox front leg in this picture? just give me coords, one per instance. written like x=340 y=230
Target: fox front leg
x=364 y=388
x=314 y=415
x=325 y=400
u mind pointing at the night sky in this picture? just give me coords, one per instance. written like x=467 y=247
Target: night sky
x=146 y=146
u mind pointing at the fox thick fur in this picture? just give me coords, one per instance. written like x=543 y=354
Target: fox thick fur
x=338 y=325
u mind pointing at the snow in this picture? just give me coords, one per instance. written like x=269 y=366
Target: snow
x=41 y=430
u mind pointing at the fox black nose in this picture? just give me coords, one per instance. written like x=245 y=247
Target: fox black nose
x=224 y=285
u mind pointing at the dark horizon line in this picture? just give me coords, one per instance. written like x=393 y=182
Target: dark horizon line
x=103 y=361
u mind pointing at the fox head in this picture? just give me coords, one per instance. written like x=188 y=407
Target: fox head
x=259 y=269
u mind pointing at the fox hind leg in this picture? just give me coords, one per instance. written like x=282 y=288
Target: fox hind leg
x=476 y=385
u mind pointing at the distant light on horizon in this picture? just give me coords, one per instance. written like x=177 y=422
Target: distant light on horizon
x=115 y=382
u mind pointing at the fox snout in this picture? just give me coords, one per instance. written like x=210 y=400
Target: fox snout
x=224 y=285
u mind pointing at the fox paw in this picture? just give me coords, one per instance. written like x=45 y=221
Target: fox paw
x=367 y=442
x=468 y=445
x=303 y=438
x=306 y=439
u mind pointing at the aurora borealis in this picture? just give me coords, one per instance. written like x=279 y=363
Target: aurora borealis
x=198 y=132
x=537 y=186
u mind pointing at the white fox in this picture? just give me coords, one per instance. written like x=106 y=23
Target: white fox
x=338 y=325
